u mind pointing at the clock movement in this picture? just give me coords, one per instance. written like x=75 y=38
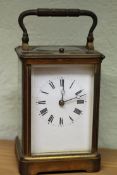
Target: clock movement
x=58 y=102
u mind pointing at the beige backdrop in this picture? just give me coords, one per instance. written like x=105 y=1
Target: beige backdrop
x=59 y=31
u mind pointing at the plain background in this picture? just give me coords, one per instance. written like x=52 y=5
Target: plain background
x=49 y=31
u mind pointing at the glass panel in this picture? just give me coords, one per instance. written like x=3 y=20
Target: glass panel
x=20 y=100
x=61 y=108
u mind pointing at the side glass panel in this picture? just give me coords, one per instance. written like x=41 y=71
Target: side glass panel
x=20 y=100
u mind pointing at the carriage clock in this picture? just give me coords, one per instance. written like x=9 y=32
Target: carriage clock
x=59 y=102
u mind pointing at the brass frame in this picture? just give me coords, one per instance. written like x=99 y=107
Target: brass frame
x=63 y=162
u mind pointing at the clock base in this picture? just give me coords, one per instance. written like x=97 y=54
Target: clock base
x=48 y=164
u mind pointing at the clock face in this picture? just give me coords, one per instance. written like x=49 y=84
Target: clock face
x=61 y=101
x=61 y=108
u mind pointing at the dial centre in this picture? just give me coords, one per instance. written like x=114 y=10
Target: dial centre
x=61 y=103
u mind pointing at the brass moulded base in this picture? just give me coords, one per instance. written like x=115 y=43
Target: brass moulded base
x=71 y=163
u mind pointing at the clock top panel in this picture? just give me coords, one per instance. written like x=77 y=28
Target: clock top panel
x=58 y=51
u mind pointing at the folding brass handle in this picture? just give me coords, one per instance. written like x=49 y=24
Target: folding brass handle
x=57 y=13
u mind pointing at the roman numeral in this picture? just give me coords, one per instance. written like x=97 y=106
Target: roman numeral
x=71 y=119
x=77 y=111
x=80 y=101
x=44 y=92
x=60 y=121
x=79 y=92
x=50 y=120
x=41 y=102
x=62 y=82
x=51 y=84
x=71 y=84
x=43 y=111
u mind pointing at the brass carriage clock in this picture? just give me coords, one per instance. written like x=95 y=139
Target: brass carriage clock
x=59 y=102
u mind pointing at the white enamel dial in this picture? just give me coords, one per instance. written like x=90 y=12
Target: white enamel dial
x=61 y=101
x=61 y=108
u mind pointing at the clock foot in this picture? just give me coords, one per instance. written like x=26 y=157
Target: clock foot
x=72 y=163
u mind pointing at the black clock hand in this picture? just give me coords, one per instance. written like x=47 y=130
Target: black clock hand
x=62 y=102
x=71 y=99
x=77 y=93
x=62 y=85
x=62 y=95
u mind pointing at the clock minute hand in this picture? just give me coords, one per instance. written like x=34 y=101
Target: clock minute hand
x=71 y=99
x=77 y=93
x=76 y=97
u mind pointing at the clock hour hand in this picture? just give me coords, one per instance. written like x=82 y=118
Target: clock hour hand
x=62 y=85
x=62 y=95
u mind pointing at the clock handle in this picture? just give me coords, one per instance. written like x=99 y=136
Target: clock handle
x=57 y=13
